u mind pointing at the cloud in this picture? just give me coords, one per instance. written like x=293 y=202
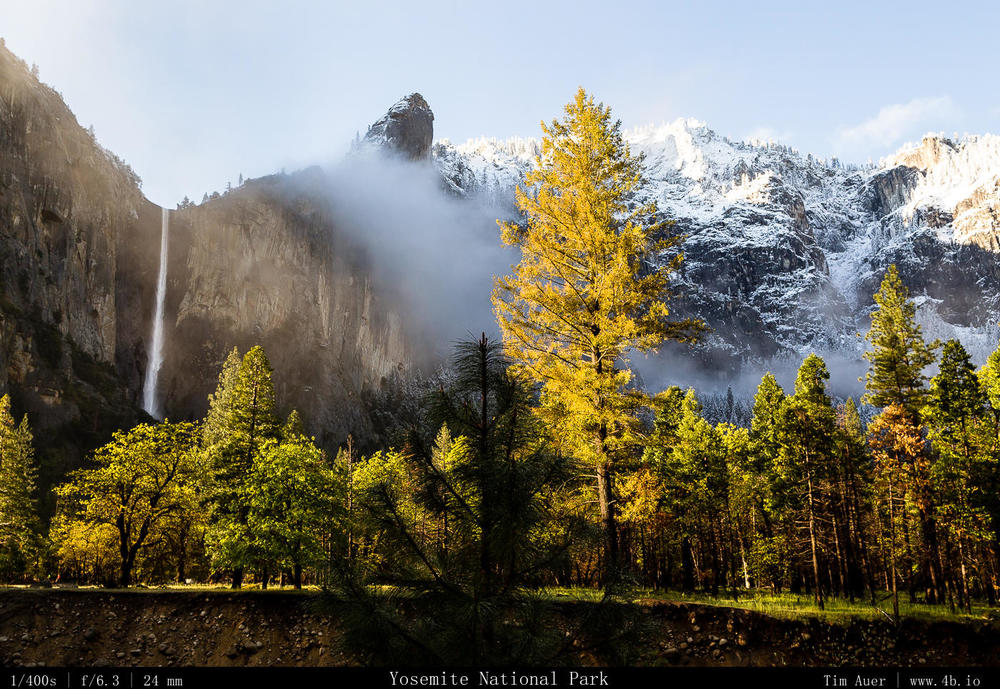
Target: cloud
x=896 y=122
x=767 y=134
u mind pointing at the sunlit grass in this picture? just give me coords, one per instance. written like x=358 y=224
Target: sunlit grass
x=784 y=605
x=788 y=605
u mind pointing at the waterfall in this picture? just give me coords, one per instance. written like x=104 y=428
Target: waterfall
x=149 y=401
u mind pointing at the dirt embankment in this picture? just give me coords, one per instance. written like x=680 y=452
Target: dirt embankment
x=146 y=628
x=218 y=628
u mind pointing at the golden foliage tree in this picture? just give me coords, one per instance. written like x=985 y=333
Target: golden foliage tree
x=591 y=286
x=897 y=448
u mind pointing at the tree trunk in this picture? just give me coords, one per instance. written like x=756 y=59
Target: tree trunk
x=892 y=556
x=604 y=493
x=929 y=531
x=237 y=578
x=350 y=497
x=965 y=579
x=687 y=565
x=818 y=594
x=125 y=579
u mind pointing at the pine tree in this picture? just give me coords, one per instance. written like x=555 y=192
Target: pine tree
x=293 y=428
x=251 y=420
x=474 y=511
x=764 y=422
x=899 y=354
x=956 y=415
x=897 y=445
x=807 y=439
x=762 y=455
x=989 y=378
x=694 y=475
x=242 y=420
x=220 y=402
x=957 y=402
x=587 y=290
x=18 y=515
x=855 y=476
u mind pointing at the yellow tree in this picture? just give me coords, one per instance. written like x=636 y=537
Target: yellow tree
x=591 y=286
x=897 y=447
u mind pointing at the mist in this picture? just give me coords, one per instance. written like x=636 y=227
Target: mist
x=671 y=366
x=433 y=253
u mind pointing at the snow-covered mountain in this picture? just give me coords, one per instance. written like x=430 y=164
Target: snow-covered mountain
x=784 y=251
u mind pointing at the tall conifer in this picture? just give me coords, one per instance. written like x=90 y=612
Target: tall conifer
x=899 y=354
x=590 y=286
x=18 y=515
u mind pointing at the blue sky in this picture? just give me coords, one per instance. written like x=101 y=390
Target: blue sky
x=193 y=93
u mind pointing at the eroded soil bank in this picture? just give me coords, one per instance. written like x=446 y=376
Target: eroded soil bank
x=90 y=627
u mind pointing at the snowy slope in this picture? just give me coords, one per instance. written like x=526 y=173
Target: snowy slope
x=784 y=251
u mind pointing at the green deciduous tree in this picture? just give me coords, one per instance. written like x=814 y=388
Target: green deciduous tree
x=143 y=481
x=292 y=495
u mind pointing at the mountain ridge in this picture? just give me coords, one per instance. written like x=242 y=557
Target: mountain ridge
x=801 y=242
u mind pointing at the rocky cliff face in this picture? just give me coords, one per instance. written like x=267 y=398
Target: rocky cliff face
x=265 y=264
x=74 y=280
x=407 y=130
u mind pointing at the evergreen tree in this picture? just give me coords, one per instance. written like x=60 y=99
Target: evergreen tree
x=767 y=552
x=584 y=292
x=220 y=402
x=242 y=419
x=696 y=486
x=957 y=402
x=293 y=429
x=855 y=493
x=958 y=424
x=473 y=514
x=899 y=354
x=897 y=446
x=989 y=378
x=668 y=409
x=807 y=439
x=764 y=423
x=18 y=515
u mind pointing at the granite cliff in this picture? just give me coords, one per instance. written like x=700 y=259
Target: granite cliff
x=262 y=264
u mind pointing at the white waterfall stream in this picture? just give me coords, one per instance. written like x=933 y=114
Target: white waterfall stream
x=150 y=402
